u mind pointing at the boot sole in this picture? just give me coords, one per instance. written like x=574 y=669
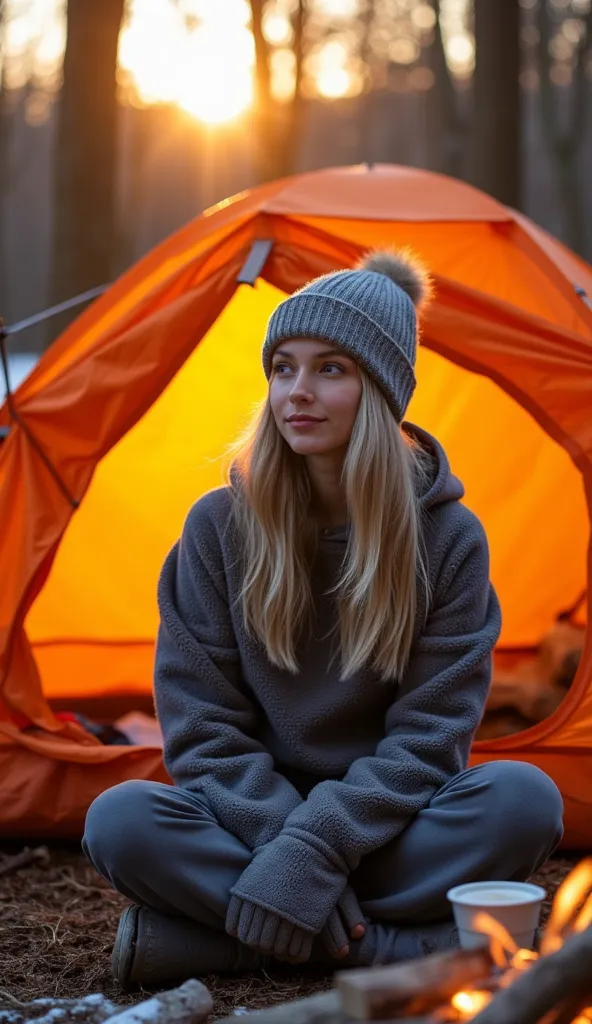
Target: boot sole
x=124 y=947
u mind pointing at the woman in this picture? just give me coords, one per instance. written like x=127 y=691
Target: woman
x=323 y=661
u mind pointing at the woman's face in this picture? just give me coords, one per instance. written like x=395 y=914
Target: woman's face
x=314 y=379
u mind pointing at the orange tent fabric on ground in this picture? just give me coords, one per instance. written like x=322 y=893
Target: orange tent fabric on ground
x=134 y=404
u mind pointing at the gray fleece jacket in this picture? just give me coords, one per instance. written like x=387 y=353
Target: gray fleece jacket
x=311 y=773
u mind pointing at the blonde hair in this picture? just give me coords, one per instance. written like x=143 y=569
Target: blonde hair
x=377 y=590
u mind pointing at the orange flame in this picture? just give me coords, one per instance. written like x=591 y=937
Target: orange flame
x=502 y=944
x=584 y=917
x=522 y=960
x=470 y=1003
x=568 y=898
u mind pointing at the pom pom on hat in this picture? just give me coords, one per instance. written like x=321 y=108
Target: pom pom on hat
x=404 y=270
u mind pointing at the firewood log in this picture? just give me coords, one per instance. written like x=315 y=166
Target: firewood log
x=91 y=1009
x=191 y=1003
x=545 y=985
x=324 y=1008
x=413 y=987
x=567 y=1011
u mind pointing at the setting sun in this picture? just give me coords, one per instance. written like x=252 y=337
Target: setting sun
x=204 y=67
x=199 y=55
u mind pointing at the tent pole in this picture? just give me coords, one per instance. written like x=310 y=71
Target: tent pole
x=39 y=318
x=4 y=358
x=4 y=431
x=31 y=321
x=17 y=418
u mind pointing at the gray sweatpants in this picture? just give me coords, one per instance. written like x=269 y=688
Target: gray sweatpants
x=162 y=846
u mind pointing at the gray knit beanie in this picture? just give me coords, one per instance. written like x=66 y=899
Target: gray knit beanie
x=369 y=312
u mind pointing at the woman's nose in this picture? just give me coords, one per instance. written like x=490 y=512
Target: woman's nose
x=300 y=387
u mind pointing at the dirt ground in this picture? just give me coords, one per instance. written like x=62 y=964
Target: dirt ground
x=58 y=922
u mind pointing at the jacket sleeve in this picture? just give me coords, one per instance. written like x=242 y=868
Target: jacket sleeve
x=208 y=721
x=428 y=732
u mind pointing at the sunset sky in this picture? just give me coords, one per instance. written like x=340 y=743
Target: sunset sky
x=199 y=54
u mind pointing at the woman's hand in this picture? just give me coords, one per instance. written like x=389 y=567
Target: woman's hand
x=267 y=932
x=345 y=922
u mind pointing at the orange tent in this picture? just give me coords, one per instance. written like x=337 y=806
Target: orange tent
x=124 y=421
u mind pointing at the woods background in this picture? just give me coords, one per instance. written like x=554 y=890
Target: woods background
x=120 y=120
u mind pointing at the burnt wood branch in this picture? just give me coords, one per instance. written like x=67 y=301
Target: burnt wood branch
x=543 y=987
x=411 y=988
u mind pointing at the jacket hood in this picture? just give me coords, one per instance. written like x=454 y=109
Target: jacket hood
x=444 y=485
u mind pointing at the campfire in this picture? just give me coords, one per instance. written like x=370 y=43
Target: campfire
x=495 y=984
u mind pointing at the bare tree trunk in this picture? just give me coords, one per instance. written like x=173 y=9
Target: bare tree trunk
x=4 y=158
x=294 y=123
x=264 y=110
x=278 y=127
x=563 y=144
x=496 y=121
x=85 y=161
x=366 y=105
x=447 y=130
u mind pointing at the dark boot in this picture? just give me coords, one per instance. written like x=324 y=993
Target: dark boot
x=153 y=949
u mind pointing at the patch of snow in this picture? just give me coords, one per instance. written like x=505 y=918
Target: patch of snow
x=20 y=365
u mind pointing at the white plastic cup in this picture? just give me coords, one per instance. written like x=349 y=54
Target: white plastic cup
x=516 y=905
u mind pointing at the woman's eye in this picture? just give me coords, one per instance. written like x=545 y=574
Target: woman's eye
x=280 y=366
x=335 y=366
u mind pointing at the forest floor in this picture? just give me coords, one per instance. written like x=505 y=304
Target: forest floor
x=58 y=922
